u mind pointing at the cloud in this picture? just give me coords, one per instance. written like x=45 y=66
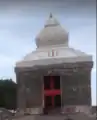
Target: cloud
x=14 y=46
x=7 y=66
x=84 y=38
x=6 y=61
x=24 y=9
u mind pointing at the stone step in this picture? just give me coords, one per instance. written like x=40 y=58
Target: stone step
x=79 y=116
x=55 y=111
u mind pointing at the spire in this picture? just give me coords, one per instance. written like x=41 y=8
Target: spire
x=51 y=21
x=50 y=15
x=52 y=34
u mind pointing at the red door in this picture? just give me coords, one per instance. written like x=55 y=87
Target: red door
x=50 y=91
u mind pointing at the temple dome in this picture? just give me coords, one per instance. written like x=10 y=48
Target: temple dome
x=52 y=34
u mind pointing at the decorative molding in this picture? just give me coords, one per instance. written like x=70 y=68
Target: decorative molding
x=86 y=66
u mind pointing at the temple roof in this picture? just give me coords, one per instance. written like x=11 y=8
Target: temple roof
x=50 y=56
x=52 y=47
x=52 y=34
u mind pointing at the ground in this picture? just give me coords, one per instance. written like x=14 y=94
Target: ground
x=79 y=116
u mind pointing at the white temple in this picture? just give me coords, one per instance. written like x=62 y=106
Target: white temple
x=54 y=70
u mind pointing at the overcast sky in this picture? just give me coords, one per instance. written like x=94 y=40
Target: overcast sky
x=21 y=21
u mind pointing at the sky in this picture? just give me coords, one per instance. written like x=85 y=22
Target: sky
x=21 y=21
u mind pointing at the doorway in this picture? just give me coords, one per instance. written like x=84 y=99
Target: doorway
x=48 y=101
x=52 y=92
x=57 y=101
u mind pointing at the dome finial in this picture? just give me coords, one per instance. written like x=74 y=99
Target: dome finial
x=51 y=15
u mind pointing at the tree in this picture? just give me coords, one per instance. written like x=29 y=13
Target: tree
x=8 y=94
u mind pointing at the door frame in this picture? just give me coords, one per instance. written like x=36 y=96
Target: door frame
x=57 y=92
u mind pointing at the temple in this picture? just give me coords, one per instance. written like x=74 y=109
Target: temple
x=54 y=77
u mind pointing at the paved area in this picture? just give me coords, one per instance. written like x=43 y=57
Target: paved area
x=25 y=118
x=74 y=117
x=80 y=116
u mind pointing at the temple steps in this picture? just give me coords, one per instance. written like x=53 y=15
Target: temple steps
x=78 y=116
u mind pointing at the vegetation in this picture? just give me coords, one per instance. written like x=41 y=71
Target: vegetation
x=8 y=94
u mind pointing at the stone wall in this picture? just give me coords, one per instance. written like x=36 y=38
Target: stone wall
x=76 y=89
x=29 y=91
x=75 y=84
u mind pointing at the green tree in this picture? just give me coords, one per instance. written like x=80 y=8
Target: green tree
x=8 y=94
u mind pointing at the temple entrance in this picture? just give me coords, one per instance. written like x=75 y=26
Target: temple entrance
x=52 y=93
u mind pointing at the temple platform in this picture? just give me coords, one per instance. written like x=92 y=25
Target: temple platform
x=78 y=116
